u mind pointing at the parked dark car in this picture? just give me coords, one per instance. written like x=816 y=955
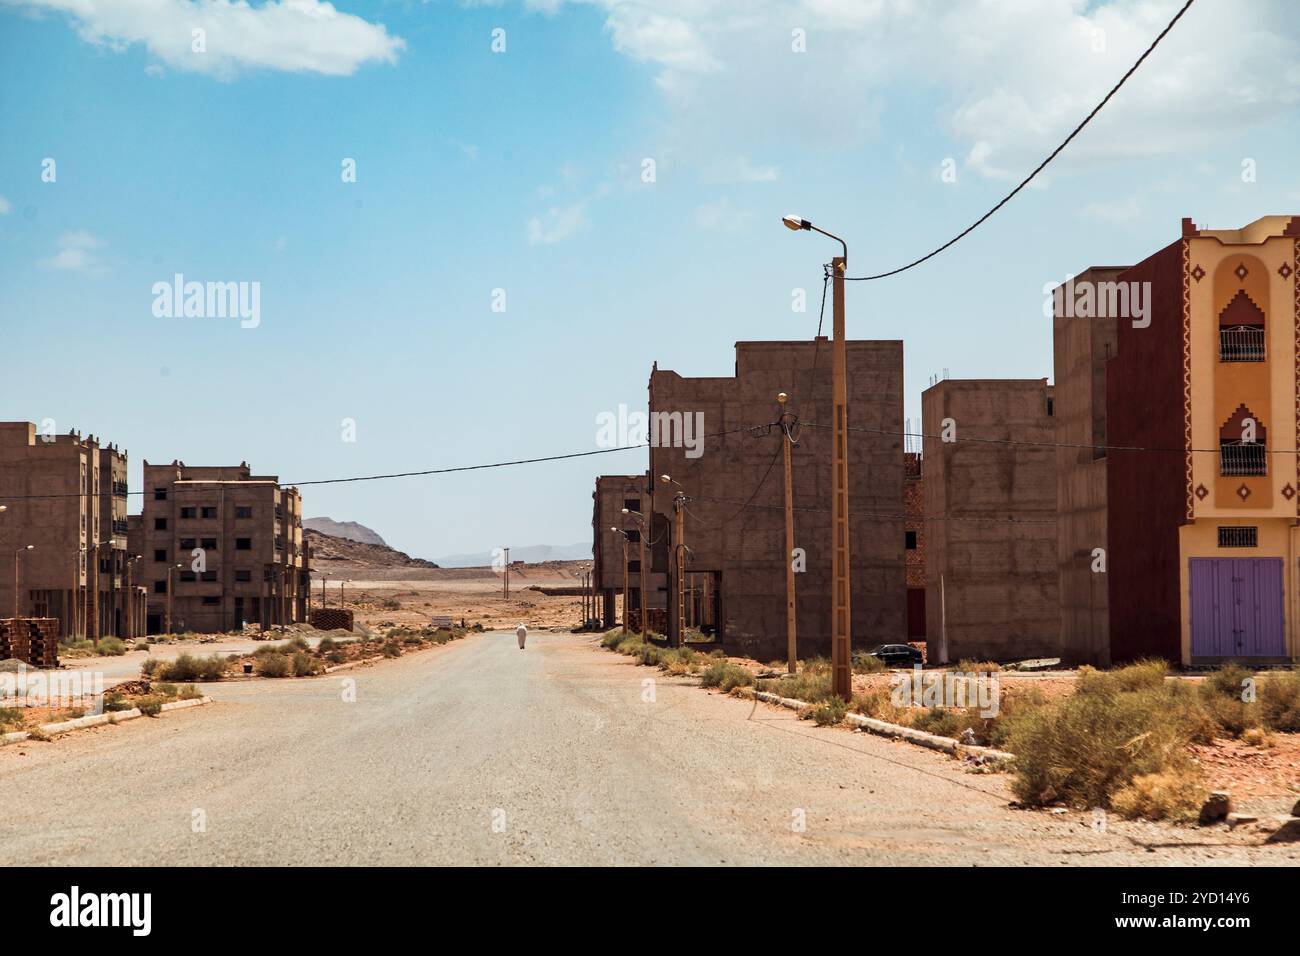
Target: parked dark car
x=897 y=655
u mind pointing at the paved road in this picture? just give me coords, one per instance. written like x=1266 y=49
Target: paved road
x=479 y=753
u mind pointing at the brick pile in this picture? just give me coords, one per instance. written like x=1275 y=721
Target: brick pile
x=34 y=640
x=331 y=618
x=656 y=616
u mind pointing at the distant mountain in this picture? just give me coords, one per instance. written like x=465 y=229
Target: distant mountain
x=331 y=553
x=531 y=554
x=344 y=529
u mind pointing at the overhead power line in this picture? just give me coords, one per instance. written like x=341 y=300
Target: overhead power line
x=1040 y=167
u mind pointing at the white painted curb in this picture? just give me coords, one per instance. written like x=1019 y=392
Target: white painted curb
x=98 y=720
x=885 y=729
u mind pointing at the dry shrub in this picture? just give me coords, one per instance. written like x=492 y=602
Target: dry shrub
x=826 y=713
x=272 y=665
x=1116 y=727
x=1172 y=795
x=1279 y=702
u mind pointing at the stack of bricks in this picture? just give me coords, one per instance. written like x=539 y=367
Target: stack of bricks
x=331 y=618
x=657 y=617
x=34 y=640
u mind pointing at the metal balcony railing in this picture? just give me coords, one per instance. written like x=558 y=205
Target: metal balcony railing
x=1241 y=343
x=1242 y=459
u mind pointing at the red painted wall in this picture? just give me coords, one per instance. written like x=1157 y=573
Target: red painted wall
x=1146 y=490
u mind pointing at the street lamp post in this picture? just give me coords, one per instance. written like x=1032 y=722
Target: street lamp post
x=841 y=617
x=507 y=578
x=625 y=596
x=641 y=573
x=18 y=577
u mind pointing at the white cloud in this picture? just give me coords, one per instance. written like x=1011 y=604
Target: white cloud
x=723 y=215
x=741 y=170
x=5 y=206
x=309 y=36
x=1116 y=211
x=77 y=252
x=1010 y=79
x=558 y=224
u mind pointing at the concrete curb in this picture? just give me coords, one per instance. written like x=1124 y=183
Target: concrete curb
x=885 y=729
x=98 y=720
x=367 y=660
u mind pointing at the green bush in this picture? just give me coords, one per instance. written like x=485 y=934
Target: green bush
x=864 y=663
x=726 y=676
x=944 y=723
x=326 y=645
x=390 y=604
x=150 y=706
x=391 y=649
x=336 y=657
x=164 y=689
x=189 y=692
x=272 y=665
x=150 y=666
x=304 y=665
x=11 y=717
x=812 y=684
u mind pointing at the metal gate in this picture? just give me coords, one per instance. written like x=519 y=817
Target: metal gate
x=1237 y=607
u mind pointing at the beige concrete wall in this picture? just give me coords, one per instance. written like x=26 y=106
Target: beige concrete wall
x=991 y=539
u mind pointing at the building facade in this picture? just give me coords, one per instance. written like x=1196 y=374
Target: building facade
x=914 y=542
x=614 y=493
x=65 y=496
x=713 y=437
x=222 y=548
x=1202 y=415
x=990 y=520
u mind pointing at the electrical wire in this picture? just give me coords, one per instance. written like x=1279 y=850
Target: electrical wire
x=1040 y=167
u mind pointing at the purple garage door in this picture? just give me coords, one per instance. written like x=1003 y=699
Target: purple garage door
x=1237 y=607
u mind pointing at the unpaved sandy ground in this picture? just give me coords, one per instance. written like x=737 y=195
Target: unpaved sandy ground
x=475 y=594
x=479 y=753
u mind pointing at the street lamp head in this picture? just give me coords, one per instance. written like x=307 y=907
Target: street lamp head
x=796 y=223
x=782 y=397
x=4 y=507
x=626 y=511
x=30 y=547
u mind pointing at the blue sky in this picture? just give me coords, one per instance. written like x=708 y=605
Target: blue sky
x=522 y=171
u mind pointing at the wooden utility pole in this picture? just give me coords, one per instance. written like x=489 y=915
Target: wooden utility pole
x=792 y=657
x=841 y=612
x=507 y=581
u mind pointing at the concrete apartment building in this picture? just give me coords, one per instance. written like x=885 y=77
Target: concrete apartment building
x=66 y=496
x=990 y=520
x=734 y=519
x=1203 y=562
x=614 y=493
x=252 y=560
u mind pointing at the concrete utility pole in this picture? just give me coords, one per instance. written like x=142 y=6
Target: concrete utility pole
x=792 y=656
x=624 y=534
x=841 y=613
x=171 y=574
x=679 y=550
x=507 y=581
x=130 y=595
x=18 y=578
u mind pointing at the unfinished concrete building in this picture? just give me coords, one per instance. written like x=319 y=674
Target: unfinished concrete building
x=1082 y=345
x=225 y=545
x=711 y=436
x=65 y=496
x=614 y=493
x=990 y=528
